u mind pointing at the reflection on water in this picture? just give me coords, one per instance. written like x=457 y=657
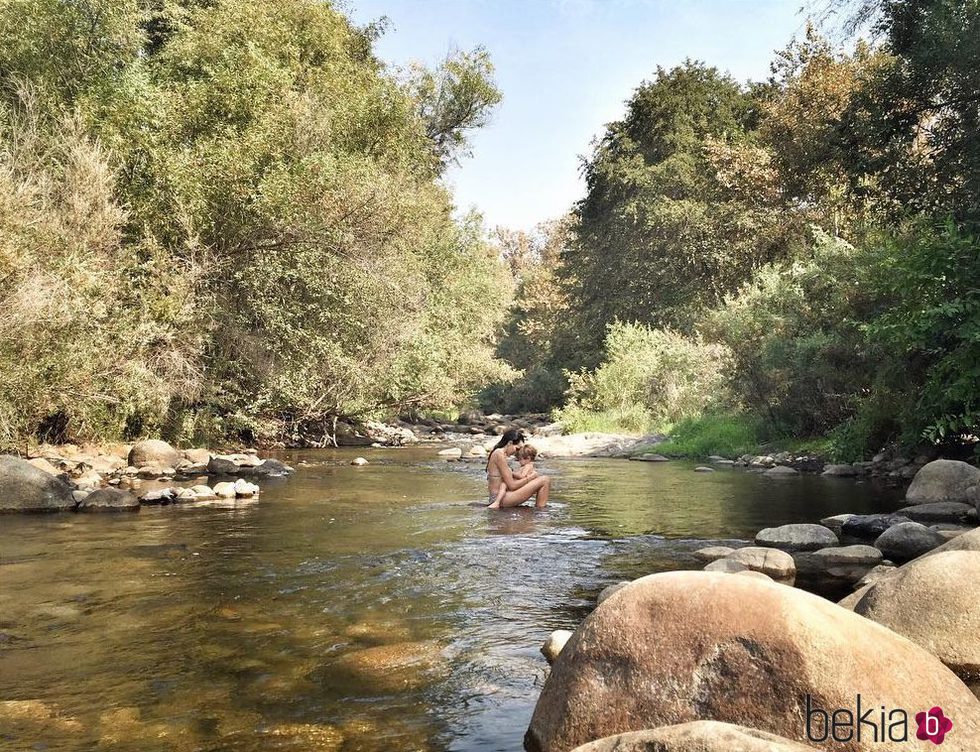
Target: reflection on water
x=371 y=608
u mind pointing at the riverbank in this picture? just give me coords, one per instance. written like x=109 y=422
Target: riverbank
x=715 y=671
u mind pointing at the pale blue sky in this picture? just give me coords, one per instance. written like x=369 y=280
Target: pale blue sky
x=565 y=68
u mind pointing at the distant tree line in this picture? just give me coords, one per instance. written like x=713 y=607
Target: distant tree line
x=813 y=236
x=223 y=218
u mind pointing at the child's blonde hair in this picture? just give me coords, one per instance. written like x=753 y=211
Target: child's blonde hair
x=527 y=452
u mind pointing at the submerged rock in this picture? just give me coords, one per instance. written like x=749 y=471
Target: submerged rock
x=25 y=488
x=685 y=646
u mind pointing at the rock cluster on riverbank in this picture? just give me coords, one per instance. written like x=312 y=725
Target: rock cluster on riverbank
x=673 y=661
x=122 y=478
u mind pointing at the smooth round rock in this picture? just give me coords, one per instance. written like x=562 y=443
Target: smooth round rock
x=934 y=602
x=800 y=537
x=943 y=480
x=777 y=564
x=225 y=490
x=25 y=488
x=359 y=461
x=676 y=647
x=153 y=452
x=553 y=645
x=907 y=540
x=696 y=736
x=704 y=469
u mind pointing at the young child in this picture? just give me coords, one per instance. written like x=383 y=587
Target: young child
x=525 y=458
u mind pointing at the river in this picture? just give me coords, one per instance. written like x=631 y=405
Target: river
x=349 y=608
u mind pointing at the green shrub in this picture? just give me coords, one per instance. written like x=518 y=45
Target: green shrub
x=651 y=378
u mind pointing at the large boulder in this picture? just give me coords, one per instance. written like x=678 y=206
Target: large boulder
x=696 y=736
x=109 y=500
x=801 y=537
x=933 y=601
x=907 y=540
x=25 y=488
x=685 y=646
x=943 y=480
x=153 y=452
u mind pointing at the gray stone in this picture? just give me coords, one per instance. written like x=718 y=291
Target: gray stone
x=25 y=488
x=857 y=555
x=704 y=469
x=159 y=496
x=836 y=523
x=870 y=526
x=940 y=511
x=943 y=480
x=650 y=458
x=800 y=537
x=907 y=540
x=553 y=645
x=271 y=467
x=772 y=562
x=222 y=466
x=109 y=500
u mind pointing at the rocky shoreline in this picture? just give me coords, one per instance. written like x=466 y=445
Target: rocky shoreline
x=733 y=656
x=121 y=478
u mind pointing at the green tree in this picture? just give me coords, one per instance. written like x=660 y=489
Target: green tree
x=661 y=235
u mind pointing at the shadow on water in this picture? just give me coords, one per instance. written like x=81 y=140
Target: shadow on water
x=351 y=608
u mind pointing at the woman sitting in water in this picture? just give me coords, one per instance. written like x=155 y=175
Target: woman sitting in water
x=518 y=490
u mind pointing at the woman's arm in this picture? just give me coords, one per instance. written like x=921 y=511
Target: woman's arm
x=506 y=475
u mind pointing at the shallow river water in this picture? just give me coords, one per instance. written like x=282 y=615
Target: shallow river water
x=371 y=608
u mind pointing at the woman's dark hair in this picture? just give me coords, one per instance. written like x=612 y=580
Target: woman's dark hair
x=510 y=436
